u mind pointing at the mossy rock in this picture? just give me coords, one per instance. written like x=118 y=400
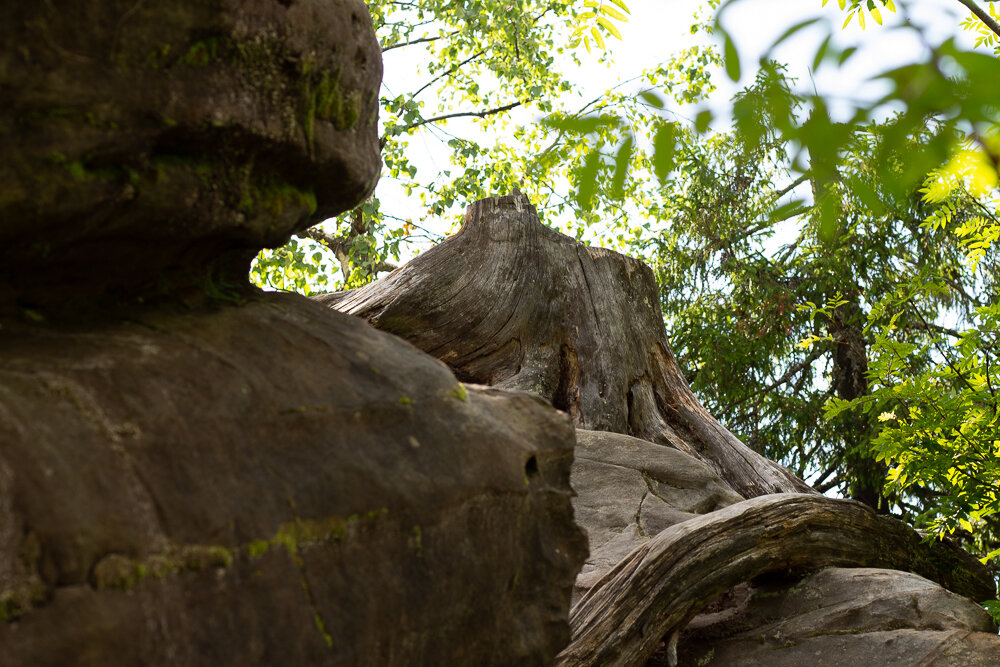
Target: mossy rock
x=140 y=151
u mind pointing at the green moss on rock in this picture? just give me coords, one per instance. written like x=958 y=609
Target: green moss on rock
x=299 y=533
x=460 y=392
x=120 y=572
x=200 y=54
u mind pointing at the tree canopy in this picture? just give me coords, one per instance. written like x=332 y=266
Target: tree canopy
x=828 y=280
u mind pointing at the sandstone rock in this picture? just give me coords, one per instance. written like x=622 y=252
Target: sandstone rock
x=144 y=140
x=846 y=617
x=629 y=490
x=272 y=484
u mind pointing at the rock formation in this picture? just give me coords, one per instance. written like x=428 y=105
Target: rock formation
x=193 y=472
x=844 y=617
x=196 y=473
x=156 y=139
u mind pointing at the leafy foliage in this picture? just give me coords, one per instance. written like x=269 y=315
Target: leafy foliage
x=873 y=283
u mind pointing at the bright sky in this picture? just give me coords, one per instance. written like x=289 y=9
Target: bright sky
x=660 y=28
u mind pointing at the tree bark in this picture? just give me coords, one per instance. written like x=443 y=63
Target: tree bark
x=658 y=587
x=511 y=303
x=850 y=381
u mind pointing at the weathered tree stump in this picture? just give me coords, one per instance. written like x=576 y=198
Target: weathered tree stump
x=511 y=303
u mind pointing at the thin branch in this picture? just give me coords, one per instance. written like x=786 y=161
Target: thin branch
x=332 y=242
x=823 y=488
x=459 y=114
x=789 y=374
x=340 y=245
x=923 y=325
x=825 y=474
x=944 y=355
x=448 y=73
x=421 y=40
x=794 y=184
x=983 y=16
x=381 y=266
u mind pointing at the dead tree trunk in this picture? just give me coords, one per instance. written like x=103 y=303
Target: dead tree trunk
x=511 y=303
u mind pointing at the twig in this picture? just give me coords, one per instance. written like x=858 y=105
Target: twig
x=458 y=114
x=789 y=374
x=421 y=40
x=983 y=16
x=448 y=73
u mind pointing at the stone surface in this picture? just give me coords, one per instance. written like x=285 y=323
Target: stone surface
x=273 y=483
x=628 y=490
x=845 y=617
x=195 y=473
x=141 y=141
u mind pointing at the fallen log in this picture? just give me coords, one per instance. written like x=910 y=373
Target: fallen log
x=658 y=587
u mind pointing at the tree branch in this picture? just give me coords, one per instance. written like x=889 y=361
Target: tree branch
x=341 y=247
x=794 y=184
x=983 y=16
x=664 y=581
x=826 y=486
x=334 y=243
x=789 y=374
x=923 y=325
x=448 y=73
x=458 y=114
x=421 y=40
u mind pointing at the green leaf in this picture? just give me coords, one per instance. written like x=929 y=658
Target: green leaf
x=732 y=58
x=791 y=31
x=702 y=121
x=788 y=210
x=613 y=13
x=579 y=124
x=609 y=26
x=652 y=99
x=848 y=52
x=621 y=4
x=588 y=180
x=598 y=39
x=664 y=146
x=622 y=160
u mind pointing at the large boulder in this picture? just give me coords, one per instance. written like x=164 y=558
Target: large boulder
x=196 y=473
x=273 y=484
x=842 y=617
x=142 y=141
x=628 y=490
